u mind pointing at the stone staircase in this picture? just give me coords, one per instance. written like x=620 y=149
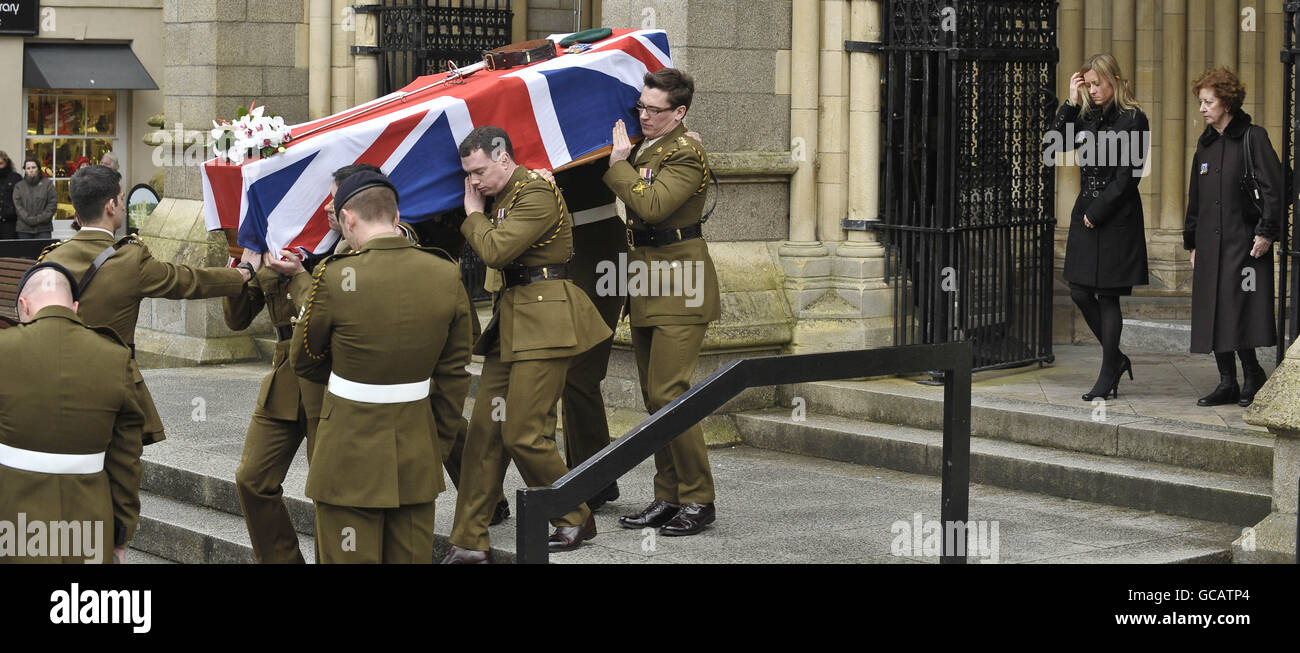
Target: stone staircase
x=1203 y=482
x=1184 y=469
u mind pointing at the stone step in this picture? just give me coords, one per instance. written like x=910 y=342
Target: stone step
x=1108 y=480
x=1166 y=336
x=1085 y=429
x=203 y=489
x=193 y=534
x=135 y=556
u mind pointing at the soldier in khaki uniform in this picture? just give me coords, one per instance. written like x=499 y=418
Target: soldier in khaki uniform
x=663 y=185
x=541 y=321
x=69 y=428
x=279 y=422
x=386 y=327
x=129 y=273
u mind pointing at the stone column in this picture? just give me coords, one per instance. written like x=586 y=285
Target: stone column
x=343 y=24
x=859 y=265
x=1227 y=25
x=1067 y=325
x=1271 y=91
x=804 y=259
x=1248 y=44
x=1167 y=260
x=219 y=55
x=1277 y=408
x=319 y=46
x=1123 y=30
x=365 y=67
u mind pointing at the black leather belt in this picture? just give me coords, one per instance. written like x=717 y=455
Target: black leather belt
x=661 y=237
x=284 y=332
x=520 y=275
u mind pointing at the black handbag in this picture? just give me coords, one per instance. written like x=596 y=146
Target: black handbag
x=1249 y=184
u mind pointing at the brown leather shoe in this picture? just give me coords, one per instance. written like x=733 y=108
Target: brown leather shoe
x=459 y=556
x=567 y=538
x=656 y=514
x=691 y=519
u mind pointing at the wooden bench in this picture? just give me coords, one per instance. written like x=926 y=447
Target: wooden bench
x=11 y=272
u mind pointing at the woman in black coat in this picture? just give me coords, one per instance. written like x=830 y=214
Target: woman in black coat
x=1230 y=235
x=1106 y=254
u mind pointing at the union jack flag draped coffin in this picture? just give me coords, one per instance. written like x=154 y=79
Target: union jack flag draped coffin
x=555 y=112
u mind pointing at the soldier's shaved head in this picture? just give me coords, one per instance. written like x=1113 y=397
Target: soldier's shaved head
x=46 y=287
x=374 y=205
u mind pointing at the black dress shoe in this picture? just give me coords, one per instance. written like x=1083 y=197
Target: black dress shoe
x=1225 y=393
x=458 y=556
x=1251 y=382
x=691 y=519
x=500 y=513
x=567 y=538
x=655 y=515
x=606 y=495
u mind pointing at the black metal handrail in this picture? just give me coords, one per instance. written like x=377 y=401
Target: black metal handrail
x=537 y=505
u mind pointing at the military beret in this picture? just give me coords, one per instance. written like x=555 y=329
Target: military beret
x=364 y=180
x=72 y=281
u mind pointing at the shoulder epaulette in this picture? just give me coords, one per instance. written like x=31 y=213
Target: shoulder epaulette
x=109 y=333
x=49 y=248
x=129 y=239
x=437 y=251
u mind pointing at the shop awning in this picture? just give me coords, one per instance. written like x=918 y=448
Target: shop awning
x=77 y=66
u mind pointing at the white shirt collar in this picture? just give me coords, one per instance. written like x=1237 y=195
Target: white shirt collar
x=97 y=229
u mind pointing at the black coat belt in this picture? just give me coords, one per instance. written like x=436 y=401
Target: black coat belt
x=522 y=275
x=661 y=237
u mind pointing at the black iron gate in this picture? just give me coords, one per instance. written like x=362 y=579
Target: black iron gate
x=1288 y=316
x=419 y=37
x=968 y=203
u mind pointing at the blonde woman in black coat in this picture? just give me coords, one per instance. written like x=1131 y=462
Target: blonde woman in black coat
x=1106 y=253
x=1230 y=234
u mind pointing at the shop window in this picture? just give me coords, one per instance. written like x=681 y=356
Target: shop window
x=67 y=130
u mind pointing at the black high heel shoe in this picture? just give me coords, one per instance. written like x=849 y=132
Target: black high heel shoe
x=1112 y=390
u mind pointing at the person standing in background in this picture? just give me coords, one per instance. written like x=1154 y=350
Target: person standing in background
x=9 y=177
x=35 y=203
x=1230 y=232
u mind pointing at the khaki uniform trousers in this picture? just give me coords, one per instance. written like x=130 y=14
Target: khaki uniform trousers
x=269 y=448
x=349 y=535
x=586 y=430
x=530 y=389
x=666 y=357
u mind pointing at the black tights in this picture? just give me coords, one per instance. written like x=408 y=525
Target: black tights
x=1228 y=367
x=1101 y=312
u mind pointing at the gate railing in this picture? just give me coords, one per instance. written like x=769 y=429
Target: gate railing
x=537 y=505
x=1288 y=317
x=968 y=204
x=418 y=37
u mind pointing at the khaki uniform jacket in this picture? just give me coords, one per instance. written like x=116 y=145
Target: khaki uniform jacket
x=70 y=391
x=543 y=319
x=673 y=197
x=280 y=395
x=132 y=274
x=390 y=313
